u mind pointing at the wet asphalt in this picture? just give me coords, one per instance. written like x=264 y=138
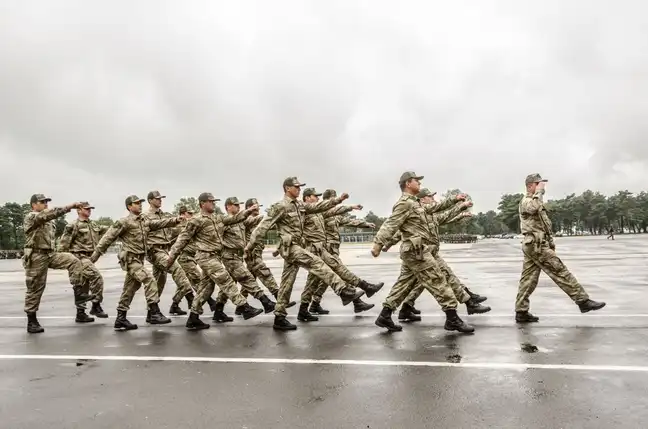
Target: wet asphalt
x=568 y=371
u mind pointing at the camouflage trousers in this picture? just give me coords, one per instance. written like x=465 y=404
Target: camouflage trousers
x=334 y=249
x=236 y=268
x=297 y=257
x=136 y=275
x=92 y=280
x=214 y=273
x=190 y=267
x=543 y=258
x=36 y=267
x=420 y=268
x=453 y=281
x=314 y=285
x=159 y=258
x=260 y=270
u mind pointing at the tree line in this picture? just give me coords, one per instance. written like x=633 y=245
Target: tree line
x=590 y=212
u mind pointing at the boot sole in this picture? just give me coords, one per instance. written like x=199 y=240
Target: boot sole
x=347 y=301
x=223 y=321
x=183 y=313
x=122 y=328
x=84 y=321
x=587 y=310
x=388 y=327
x=527 y=321
x=302 y=319
x=463 y=331
x=409 y=319
x=284 y=328
x=375 y=291
x=486 y=310
x=480 y=299
x=255 y=313
x=197 y=328
x=164 y=322
x=40 y=331
x=355 y=310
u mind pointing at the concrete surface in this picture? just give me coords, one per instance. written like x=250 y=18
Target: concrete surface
x=568 y=371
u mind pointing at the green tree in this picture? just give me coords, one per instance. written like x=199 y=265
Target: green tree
x=371 y=217
x=106 y=221
x=192 y=204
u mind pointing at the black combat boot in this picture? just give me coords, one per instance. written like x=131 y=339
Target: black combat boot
x=370 y=288
x=122 y=323
x=194 y=323
x=525 y=317
x=414 y=309
x=190 y=299
x=219 y=314
x=407 y=315
x=454 y=323
x=349 y=294
x=80 y=297
x=97 y=311
x=384 y=320
x=157 y=318
x=175 y=310
x=239 y=310
x=304 y=315
x=590 y=305
x=474 y=307
x=290 y=304
x=316 y=308
x=268 y=306
x=212 y=304
x=33 y=327
x=249 y=311
x=359 y=306
x=148 y=316
x=476 y=298
x=282 y=324
x=82 y=317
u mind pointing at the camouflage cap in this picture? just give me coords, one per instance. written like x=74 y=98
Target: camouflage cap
x=252 y=201
x=425 y=192
x=409 y=175
x=154 y=194
x=329 y=193
x=184 y=209
x=534 y=178
x=292 y=181
x=207 y=196
x=37 y=198
x=86 y=205
x=133 y=199
x=232 y=201
x=311 y=191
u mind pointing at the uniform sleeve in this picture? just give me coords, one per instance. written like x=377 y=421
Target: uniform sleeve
x=393 y=223
x=46 y=215
x=440 y=206
x=237 y=218
x=460 y=216
x=188 y=233
x=445 y=216
x=358 y=223
x=274 y=215
x=109 y=237
x=322 y=206
x=66 y=238
x=335 y=211
x=534 y=204
x=155 y=224
x=252 y=221
x=394 y=240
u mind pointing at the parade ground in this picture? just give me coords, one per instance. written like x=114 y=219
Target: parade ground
x=570 y=370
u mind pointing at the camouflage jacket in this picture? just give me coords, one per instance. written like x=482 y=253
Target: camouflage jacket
x=159 y=237
x=39 y=228
x=133 y=232
x=206 y=232
x=235 y=236
x=190 y=250
x=408 y=217
x=289 y=217
x=81 y=236
x=251 y=223
x=334 y=223
x=533 y=215
x=315 y=224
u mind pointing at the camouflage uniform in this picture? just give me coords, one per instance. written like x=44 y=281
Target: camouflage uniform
x=254 y=261
x=232 y=257
x=158 y=245
x=187 y=258
x=39 y=256
x=418 y=263
x=80 y=238
x=539 y=255
x=206 y=231
x=332 y=226
x=288 y=215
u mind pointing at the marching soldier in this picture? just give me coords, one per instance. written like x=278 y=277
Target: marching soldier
x=39 y=256
x=80 y=238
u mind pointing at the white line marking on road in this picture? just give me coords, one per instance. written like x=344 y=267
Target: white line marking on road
x=348 y=362
x=367 y=315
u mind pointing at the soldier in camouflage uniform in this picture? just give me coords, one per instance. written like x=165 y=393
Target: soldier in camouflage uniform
x=254 y=261
x=159 y=243
x=206 y=231
x=418 y=262
x=332 y=225
x=187 y=258
x=408 y=312
x=315 y=242
x=232 y=256
x=539 y=255
x=288 y=215
x=39 y=256
x=80 y=238
x=133 y=231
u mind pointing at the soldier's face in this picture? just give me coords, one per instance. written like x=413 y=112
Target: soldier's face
x=187 y=215
x=39 y=206
x=208 y=206
x=233 y=209
x=84 y=213
x=531 y=187
x=135 y=208
x=414 y=186
x=427 y=200
x=312 y=199
x=293 y=191
x=156 y=203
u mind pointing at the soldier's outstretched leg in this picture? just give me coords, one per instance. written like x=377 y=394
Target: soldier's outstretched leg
x=191 y=269
x=238 y=271
x=159 y=259
x=260 y=270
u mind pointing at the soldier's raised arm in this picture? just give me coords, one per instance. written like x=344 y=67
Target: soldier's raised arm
x=240 y=216
x=443 y=205
x=358 y=223
x=324 y=205
x=534 y=204
x=113 y=233
x=460 y=216
x=188 y=233
x=339 y=210
x=390 y=227
x=253 y=221
x=155 y=224
x=66 y=238
x=445 y=216
x=274 y=215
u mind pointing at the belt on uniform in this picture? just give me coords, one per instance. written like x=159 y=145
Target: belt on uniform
x=160 y=247
x=232 y=252
x=44 y=251
x=87 y=254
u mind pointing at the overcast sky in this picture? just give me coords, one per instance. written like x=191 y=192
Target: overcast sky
x=99 y=100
